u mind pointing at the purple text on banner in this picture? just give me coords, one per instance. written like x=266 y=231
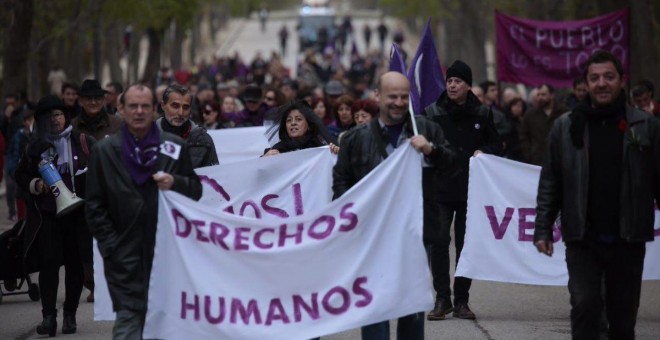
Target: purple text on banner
x=535 y=52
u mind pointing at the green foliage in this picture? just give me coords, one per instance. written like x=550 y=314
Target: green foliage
x=155 y=14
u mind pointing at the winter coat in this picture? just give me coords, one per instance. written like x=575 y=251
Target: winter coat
x=122 y=217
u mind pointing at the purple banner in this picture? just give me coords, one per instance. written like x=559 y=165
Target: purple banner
x=536 y=52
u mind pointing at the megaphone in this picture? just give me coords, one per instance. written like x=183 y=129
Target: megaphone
x=65 y=200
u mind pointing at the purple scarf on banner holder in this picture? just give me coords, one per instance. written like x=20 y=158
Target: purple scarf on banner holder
x=140 y=156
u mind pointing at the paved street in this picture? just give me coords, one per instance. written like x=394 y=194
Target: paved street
x=504 y=311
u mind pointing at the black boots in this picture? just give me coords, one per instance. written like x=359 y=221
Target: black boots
x=48 y=326
x=69 y=323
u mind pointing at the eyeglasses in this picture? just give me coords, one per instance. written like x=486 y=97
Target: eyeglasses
x=92 y=99
x=270 y=99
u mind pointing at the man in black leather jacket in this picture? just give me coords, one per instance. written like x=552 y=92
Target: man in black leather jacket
x=602 y=171
x=469 y=128
x=366 y=146
x=125 y=173
x=177 y=106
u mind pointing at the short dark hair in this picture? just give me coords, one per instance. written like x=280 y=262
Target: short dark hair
x=116 y=86
x=579 y=80
x=485 y=85
x=551 y=89
x=141 y=87
x=178 y=88
x=641 y=87
x=66 y=86
x=600 y=57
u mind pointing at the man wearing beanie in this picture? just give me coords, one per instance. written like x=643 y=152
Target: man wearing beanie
x=469 y=128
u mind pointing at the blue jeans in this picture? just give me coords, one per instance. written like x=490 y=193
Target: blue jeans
x=409 y=327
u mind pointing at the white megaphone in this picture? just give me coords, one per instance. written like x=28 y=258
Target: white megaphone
x=65 y=200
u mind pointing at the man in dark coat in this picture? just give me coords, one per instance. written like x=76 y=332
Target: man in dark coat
x=470 y=130
x=177 y=103
x=366 y=146
x=125 y=173
x=536 y=125
x=602 y=171
x=93 y=118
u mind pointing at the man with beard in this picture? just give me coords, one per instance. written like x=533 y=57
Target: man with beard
x=469 y=128
x=177 y=104
x=366 y=146
x=536 y=125
x=602 y=171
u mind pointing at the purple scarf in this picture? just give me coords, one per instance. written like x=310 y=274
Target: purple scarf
x=140 y=156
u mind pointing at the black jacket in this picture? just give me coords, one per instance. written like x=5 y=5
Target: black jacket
x=123 y=218
x=466 y=132
x=200 y=146
x=40 y=208
x=565 y=178
x=360 y=153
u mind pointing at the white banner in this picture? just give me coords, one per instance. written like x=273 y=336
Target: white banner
x=239 y=144
x=356 y=261
x=269 y=188
x=500 y=228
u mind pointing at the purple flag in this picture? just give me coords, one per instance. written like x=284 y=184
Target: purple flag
x=397 y=63
x=425 y=75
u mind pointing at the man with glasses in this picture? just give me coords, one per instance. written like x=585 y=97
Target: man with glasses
x=177 y=104
x=94 y=121
x=93 y=118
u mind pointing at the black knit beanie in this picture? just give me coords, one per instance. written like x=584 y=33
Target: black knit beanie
x=460 y=70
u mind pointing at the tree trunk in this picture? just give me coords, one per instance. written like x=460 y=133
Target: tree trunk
x=112 y=39
x=643 y=50
x=17 y=46
x=153 y=58
x=176 y=52
x=134 y=56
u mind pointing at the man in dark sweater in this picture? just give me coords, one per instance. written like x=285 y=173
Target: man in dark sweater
x=602 y=171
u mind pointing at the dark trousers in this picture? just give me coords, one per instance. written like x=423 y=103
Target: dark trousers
x=620 y=266
x=128 y=325
x=439 y=252
x=409 y=327
x=58 y=244
x=10 y=194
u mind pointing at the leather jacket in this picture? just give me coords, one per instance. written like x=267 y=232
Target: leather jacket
x=200 y=146
x=563 y=185
x=122 y=217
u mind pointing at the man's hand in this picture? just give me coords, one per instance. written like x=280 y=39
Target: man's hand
x=477 y=152
x=334 y=148
x=544 y=246
x=164 y=180
x=420 y=144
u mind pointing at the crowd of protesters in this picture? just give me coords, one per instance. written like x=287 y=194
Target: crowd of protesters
x=326 y=104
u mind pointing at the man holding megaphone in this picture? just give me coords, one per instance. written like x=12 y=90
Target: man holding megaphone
x=52 y=170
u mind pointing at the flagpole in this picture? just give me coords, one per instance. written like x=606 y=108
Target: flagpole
x=412 y=117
